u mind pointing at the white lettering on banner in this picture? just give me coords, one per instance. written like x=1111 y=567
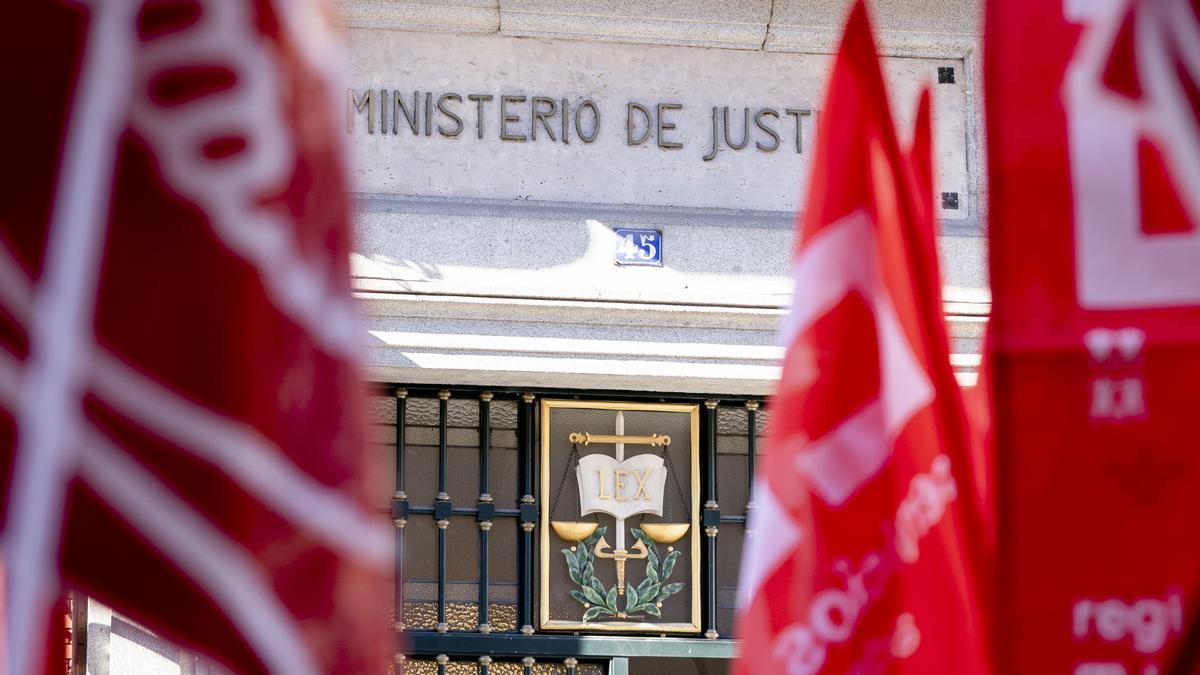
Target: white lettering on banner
x=1118 y=265
x=834 y=612
x=1111 y=668
x=840 y=260
x=880 y=652
x=923 y=507
x=1147 y=621
x=1117 y=388
x=225 y=149
x=1117 y=400
x=1100 y=668
x=906 y=638
x=1115 y=344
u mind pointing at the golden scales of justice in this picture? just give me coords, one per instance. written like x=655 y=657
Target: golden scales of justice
x=661 y=533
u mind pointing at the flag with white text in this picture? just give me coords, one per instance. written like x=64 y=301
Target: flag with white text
x=180 y=404
x=861 y=557
x=1094 y=149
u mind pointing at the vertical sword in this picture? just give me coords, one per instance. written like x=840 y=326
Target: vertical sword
x=617 y=553
x=620 y=542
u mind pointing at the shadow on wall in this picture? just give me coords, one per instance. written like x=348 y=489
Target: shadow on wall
x=118 y=646
x=542 y=236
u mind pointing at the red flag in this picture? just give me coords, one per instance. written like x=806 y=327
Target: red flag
x=1094 y=146
x=859 y=559
x=179 y=402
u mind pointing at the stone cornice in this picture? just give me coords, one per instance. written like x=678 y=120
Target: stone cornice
x=931 y=29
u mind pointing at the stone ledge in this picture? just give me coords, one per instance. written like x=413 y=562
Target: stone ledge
x=429 y=307
x=586 y=345
x=934 y=29
x=592 y=345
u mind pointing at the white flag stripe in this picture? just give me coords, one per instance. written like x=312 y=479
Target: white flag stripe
x=1176 y=125
x=10 y=384
x=223 y=569
x=44 y=391
x=15 y=287
x=844 y=459
x=775 y=536
x=840 y=259
x=248 y=459
x=238 y=450
x=836 y=260
x=49 y=409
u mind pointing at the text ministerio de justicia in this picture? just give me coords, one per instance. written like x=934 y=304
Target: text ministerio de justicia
x=519 y=118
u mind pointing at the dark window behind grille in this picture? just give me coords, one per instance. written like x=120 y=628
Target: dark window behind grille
x=463 y=495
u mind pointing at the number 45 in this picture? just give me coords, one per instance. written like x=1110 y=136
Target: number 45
x=645 y=248
x=648 y=250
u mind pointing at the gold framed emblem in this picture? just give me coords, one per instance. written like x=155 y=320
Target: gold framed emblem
x=620 y=517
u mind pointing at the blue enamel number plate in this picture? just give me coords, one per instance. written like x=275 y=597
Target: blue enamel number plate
x=639 y=247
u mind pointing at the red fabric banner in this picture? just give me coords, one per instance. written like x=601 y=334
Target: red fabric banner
x=1094 y=146
x=860 y=557
x=180 y=413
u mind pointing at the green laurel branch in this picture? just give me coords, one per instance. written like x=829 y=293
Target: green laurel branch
x=581 y=566
x=653 y=590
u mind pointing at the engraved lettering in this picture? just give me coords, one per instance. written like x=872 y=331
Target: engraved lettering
x=566 y=127
x=587 y=138
x=542 y=116
x=506 y=119
x=631 y=125
x=410 y=116
x=745 y=128
x=458 y=123
x=713 y=153
x=664 y=126
x=556 y=116
x=428 y=113
x=479 y=100
x=798 y=114
x=758 y=121
x=600 y=486
x=356 y=104
x=383 y=111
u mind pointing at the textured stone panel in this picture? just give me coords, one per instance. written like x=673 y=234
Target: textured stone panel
x=707 y=23
x=455 y=16
x=905 y=27
x=449 y=159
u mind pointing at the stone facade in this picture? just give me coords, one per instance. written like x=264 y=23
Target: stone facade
x=489 y=262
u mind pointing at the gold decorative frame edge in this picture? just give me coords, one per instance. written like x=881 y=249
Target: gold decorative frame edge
x=544 y=620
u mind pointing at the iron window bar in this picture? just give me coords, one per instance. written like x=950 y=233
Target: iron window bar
x=485 y=512
x=400 y=511
x=485 y=508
